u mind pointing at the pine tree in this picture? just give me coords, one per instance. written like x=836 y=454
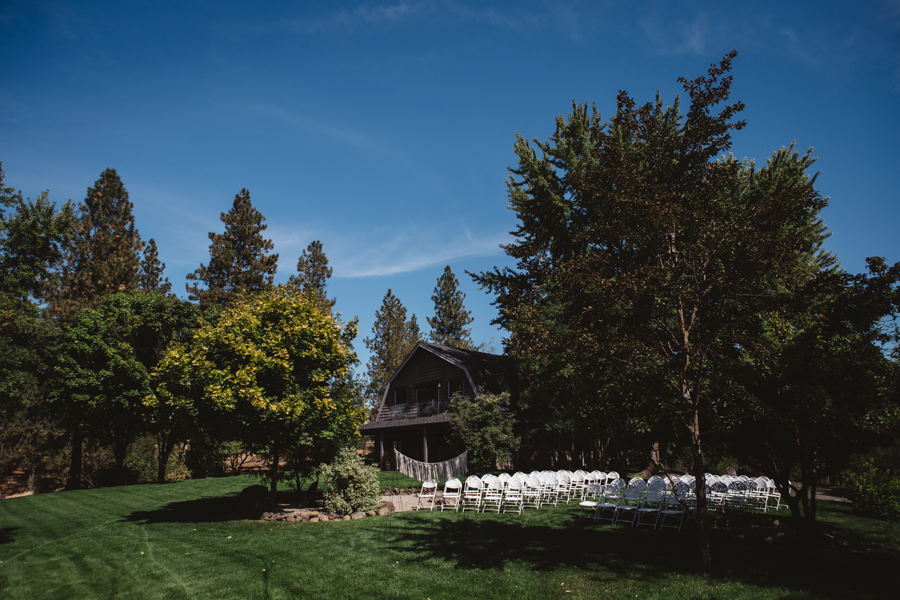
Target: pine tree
x=104 y=254
x=393 y=337
x=449 y=325
x=238 y=259
x=150 y=273
x=313 y=273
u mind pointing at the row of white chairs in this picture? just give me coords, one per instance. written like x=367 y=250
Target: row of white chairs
x=650 y=505
x=514 y=493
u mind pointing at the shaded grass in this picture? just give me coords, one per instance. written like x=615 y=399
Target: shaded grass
x=89 y=544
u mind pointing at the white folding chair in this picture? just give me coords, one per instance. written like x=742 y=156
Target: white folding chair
x=452 y=494
x=471 y=497
x=513 y=496
x=492 y=497
x=427 y=495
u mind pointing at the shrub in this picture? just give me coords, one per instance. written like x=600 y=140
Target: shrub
x=352 y=486
x=875 y=491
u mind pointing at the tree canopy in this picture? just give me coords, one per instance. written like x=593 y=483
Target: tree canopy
x=393 y=338
x=104 y=255
x=239 y=259
x=645 y=256
x=449 y=325
x=266 y=373
x=105 y=360
x=313 y=273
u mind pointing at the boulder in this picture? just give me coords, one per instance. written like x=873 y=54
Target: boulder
x=345 y=518
x=358 y=515
x=314 y=520
x=370 y=513
x=384 y=510
x=389 y=505
x=313 y=514
x=324 y=518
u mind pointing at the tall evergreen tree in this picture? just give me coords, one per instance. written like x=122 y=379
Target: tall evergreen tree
x=393 y=337
x=102 y=259
x=150 y=273
x=313 y=273
x=450 y=321
x=239 y=259
x=104 y=254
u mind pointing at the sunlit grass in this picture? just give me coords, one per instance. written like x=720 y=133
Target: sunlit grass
x=170 y=542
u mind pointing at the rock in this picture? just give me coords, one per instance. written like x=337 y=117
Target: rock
x=384 y=510
x=371 y=513
x=305 y=518
x=324 y=518
x=358 y=515
x=313 y=514
x=345 y=518
x=388 y=505
x=314 y=520
x=292 y=518
x=776 y=523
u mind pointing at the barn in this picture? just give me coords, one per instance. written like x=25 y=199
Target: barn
x=412 y=415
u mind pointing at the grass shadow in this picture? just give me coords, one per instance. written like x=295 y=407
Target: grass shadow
x=201 y=510
x=829 y=569
x=6 y=534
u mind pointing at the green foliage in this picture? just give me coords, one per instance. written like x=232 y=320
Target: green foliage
x=150 y=273
x=267 y=373
x=33 y=236
x=352 y=486
x=393 y=338
x=875 y=491
x=105 y=357
x=239 y=259
x=449 y=326
x=313 y=273
x=142 y=462
x=484 y=427
x=103 y=258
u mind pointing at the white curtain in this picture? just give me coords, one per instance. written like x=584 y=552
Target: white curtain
x=442 y=471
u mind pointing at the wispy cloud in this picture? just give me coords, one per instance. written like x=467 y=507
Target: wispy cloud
x=564 y=16
x=679 y=36
x=379 y=14
x=409 y=252
x=318 y=126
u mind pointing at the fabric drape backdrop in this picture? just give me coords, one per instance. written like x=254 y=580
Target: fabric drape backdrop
x=442 y=471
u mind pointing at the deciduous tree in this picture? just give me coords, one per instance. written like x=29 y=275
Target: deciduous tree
x=239 y=259
x=33 y=234
x=647 y=261
x=106 y=357
x=265 y=373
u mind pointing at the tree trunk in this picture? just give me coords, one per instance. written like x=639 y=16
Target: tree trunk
x=702 y=516
x=273 y=475
x=73 y=482
x=654 y=467
x=165 y=450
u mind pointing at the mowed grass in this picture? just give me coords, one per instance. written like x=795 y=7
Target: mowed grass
x=170 y=541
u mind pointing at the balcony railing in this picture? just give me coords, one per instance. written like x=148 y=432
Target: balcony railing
x=412 y=410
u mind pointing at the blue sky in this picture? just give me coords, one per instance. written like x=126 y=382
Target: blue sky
x=385 y=129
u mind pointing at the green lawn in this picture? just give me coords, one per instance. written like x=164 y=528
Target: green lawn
x=170 y=542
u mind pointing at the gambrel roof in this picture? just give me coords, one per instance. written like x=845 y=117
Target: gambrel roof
x=486 y=373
